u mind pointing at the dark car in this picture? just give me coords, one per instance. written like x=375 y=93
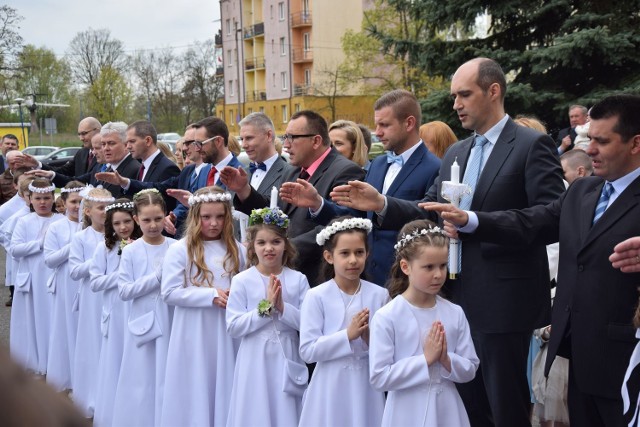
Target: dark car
x=60 y=156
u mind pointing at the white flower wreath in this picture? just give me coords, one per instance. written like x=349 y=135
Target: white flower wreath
x=209 y=197
x=72 y=189
x=346 y=224
x=48 y=189
x=84 y=193
x=127 y=205
x=406 y=238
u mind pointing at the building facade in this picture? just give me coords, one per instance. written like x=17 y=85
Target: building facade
x=281 y=56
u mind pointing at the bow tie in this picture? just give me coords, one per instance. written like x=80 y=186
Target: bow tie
x=253 y=167
x=392 y=158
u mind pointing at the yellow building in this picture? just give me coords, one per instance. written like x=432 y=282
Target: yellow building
x=281 y=56
x=20 y=131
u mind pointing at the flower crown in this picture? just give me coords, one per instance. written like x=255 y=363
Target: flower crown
x=209 y=197
x=406 y=238
x=345 y=224
x=270 y=216
x=72 y=189
x=125 y=205
x=84 y=193
x=49 y=189
x=145 y=191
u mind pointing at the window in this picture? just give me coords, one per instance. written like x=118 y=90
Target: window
x=250 y=110
x=273 y=46
x=229 y=58
x=231 y=88
x=228 y=22
x=262 y=110
x=307 y=77
x=231 y=116
x=283 y=78
x=273 y=79
x=305 y=6
x=271 y=11
x=296 y=107
x=306 y=37
x=281 y=10
x=285 y=114
x=283 y=47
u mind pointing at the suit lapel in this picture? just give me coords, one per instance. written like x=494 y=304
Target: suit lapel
x=152 y=167
x=271 y=176
x=500 y=152
x=323 y=166
x=407 y=169
x=377 y=173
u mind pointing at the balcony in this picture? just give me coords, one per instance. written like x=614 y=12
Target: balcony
x=219 y=71
x=301 y=54
x=254 y=63
x=301 y=90
x=218 y=40
x=301 y=19
x=253 y=30
x=255 y=95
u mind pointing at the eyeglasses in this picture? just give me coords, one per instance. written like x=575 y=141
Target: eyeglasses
x=291 y=138
x=86 y=132
x=206 y=141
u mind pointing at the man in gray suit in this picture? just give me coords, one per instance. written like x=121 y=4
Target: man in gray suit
x=267 y=168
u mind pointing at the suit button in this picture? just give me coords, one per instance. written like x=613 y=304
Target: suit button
x=581 y=268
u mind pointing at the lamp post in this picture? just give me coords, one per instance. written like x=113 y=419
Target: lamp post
x=19 y=101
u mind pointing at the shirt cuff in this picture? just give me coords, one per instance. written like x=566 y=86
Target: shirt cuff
x=472 y=224
x=382 y=212
x=316 y=213
x=126 y=187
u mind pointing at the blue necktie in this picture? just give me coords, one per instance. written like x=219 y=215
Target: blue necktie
x=392 y=158
x=103 y=168
x=472 y=173
x=255 y=166
x=603 y=201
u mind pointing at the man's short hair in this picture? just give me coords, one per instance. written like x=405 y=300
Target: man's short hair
x=316 y=124
x=119 y=128
x=490 y=72
x=584 y=110
x=259 y=121
x=366 y=134
x=10 y=136
x=626 y=108
x=576 y=158
x=215 y=127
x=403 y=103
x=143 y=129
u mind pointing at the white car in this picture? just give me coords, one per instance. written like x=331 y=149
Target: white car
x=39 y=151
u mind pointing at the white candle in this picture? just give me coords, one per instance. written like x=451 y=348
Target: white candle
x=455 y=172
x=453 y=258
x=274 y=198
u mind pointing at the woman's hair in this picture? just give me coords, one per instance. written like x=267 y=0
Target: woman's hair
x=354 y=135
x=180 y=157
x=234 y=146
x=110 y=236
x=64 y=195
x=166 y=150
x=289 y=254
x=195 y=245
x=42 y=183
x=101 y=193
x=531 y=122
x=327 y=272
x=441 y=136
x=151 y=197
x=410 y=242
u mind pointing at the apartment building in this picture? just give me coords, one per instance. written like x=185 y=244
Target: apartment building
x=281 y=56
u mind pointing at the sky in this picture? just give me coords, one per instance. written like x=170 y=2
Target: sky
x=139 y=24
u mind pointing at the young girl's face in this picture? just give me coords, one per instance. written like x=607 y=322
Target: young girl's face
x=42 y=203
x=212 y=220
x=150 y=219
x=72 y=205
x=96 y=212
x=428 y=270
x=349 y=256
x=269 y=248
x=122 y=223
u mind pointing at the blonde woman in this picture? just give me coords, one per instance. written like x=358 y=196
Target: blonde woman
x=347 y=138
x=438 y=137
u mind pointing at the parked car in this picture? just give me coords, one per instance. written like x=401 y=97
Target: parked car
x=168 y=137
x=39 y=151
x=60 y=156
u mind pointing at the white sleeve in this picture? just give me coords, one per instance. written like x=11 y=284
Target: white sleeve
x=464 y=361
x=291 y=314
x=241 y=319
x=130 y=287
x=54 y=254
x=78 y=266
x=20 y=247
x=385 y=374
x=174 y=275
x=100 y=278
x=314 y=345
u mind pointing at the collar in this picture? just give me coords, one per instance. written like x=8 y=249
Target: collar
x=408 y=153
x=621 y=184
x=493 y=134
x=116 y=165
x=147 y=162
x=198 y=168
x=314 y=166
x=270 y=161
x=224 y=162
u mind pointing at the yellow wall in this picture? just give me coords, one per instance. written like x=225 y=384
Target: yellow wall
x=14 y=128
x=356 y=108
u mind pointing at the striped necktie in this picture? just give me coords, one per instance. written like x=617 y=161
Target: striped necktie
x=603 y=201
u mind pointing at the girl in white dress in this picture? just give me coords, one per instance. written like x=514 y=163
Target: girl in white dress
x=119 y=230
x=89 y=304
x=31 y=311
x=334 y=331
x=63 y=289
x=264 y=312
x=138 y=398
x=196 y=277
x=420 y=343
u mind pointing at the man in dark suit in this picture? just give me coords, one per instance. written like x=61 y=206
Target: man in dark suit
x=267 y=168
x=9 y=142
x=314 y=160
x=142 y=140
x=504 y=292
x=594 y=303
x=566 y=136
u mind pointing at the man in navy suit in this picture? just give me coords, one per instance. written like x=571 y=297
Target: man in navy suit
x=142 y=143
x=406 y=172
x=9 y=142
x=504 y=292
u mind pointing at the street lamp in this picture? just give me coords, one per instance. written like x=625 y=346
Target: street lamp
x=19 y=101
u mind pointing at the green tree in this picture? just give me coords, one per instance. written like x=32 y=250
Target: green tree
x=555 y=52
x=202 y=87
x=109 y=97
